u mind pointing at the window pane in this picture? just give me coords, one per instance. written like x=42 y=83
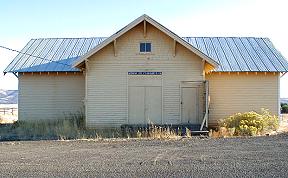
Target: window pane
x=142 y=47
x=148 y=47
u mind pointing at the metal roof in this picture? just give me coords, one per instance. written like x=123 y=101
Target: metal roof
x=52 y=54
x=241 y=54
x=234 y=54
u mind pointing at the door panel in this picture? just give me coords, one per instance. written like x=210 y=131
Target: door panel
x=153 y=102
x=136 y=105
x=145 y=105
x=190 y=105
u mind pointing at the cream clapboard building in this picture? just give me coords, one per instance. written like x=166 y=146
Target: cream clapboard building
x=145 y=73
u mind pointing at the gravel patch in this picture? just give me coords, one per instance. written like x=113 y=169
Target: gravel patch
x=195 y=157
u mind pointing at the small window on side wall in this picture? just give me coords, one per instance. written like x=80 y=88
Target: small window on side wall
x=145 y=47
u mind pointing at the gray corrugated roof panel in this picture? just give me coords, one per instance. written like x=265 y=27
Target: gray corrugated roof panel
x=190 y=40
x=211 y=52
x=243 y=66
x=245 y=55
x=234 y=54
x=229 y=55
x=266 y=52
x=52 y=54
x=221 y=55
x=201 y=45
x=241 y=54
x=254 y=55
x=276 y=53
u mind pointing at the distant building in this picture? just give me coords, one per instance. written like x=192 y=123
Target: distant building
x=146 y=73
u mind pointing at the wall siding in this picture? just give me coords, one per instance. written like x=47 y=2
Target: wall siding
x=233 y=93
x=107 y=78
x=50 y=96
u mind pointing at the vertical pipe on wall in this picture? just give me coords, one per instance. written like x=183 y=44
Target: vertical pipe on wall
x=278 y=94
x=86 y=93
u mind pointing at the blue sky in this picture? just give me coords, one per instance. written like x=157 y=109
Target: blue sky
x=87 y=17
x=22 y=20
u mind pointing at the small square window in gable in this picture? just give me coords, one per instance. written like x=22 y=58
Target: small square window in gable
x=145 y=47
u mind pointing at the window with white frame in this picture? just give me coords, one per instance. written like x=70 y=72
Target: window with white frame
x=145 y=47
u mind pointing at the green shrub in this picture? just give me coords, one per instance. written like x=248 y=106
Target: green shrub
x=250 y=123
x=284 y=108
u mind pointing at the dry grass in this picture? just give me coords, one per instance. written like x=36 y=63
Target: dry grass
x=73 y=129
x=156 y=132
x=221 y=132
x=43 y=129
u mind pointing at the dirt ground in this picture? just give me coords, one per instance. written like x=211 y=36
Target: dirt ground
x=196 y=157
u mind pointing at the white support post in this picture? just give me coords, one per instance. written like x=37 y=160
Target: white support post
x=205 y=119
x=207 y=102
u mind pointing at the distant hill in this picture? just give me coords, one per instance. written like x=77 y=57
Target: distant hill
x=8 y=96
x=283 y=100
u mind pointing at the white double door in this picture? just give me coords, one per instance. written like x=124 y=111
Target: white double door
x=145 y=104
